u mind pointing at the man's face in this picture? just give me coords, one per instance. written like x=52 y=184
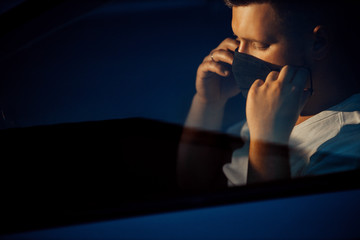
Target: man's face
x=261 y=34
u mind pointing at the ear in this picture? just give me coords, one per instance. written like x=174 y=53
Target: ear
x=321 y=43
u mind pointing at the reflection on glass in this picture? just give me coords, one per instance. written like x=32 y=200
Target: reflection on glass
x=290 y=62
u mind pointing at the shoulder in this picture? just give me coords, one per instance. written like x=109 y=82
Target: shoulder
x=340 y=153
x=337 y=134
x=335 y=122
x=345 y=142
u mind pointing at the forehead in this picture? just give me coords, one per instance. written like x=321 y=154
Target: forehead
x=255 y=21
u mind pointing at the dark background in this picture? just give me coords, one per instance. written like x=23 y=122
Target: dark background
x=118 y=60
x=126 y=59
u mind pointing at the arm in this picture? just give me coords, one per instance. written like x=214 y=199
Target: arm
x=205 y=115
x=272 y=110
x=201 y=167
x=267 y=161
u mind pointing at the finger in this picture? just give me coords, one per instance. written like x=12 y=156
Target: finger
x=254 y=88
x=258 y=83
x=301 y=77
x=272 y=76
x=286 y=74
x=222 y=56
x=211 y=66
x=229 y=44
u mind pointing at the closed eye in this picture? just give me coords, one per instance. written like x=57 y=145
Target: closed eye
x=254 y=43
x=260 y=45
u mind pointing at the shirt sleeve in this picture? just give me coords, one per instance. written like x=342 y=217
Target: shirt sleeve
x=341 y=153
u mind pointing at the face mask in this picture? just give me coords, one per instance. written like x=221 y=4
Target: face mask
x=247 y=69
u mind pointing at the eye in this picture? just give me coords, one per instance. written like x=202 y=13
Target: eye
x=260 y=45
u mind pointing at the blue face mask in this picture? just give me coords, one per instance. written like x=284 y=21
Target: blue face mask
x=247 y=69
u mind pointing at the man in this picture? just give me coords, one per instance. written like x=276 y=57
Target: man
x=292 y=62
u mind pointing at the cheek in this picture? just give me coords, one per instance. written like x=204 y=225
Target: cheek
x=288 y=54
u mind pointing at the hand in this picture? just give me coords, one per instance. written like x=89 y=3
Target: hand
x=273 y=106
x=214 y=80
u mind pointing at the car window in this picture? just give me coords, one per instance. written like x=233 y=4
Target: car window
x=149 y=106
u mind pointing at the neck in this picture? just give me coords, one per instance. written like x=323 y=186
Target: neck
x=302 y=119
x=331 y=85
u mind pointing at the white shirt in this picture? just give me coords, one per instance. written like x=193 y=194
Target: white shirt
x=325 y=143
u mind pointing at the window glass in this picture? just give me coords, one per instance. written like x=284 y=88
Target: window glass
x=173 y=97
